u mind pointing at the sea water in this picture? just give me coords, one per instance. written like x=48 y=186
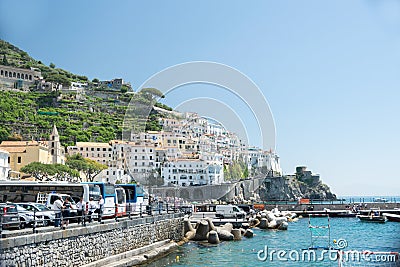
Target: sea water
x=357 y=235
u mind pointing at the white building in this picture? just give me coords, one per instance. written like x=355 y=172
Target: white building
x=4 y=164
x=190 y=172
x=257 y=158
x=106 y=154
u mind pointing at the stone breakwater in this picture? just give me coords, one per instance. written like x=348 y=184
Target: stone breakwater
x=84 y=245
x=206 y=231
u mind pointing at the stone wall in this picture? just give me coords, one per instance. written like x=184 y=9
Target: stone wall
x=82 y=245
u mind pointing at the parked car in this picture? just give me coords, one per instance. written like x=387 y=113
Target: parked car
x=45 y=215
x=9 y=217
x=48 y=200
x=26 y=217
x=188 y=210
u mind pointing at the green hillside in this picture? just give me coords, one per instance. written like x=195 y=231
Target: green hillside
x=95 y=116
x=15 y=57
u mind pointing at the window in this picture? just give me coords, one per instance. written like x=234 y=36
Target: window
x=98 y=149
x=9 y=160
x=19 y=160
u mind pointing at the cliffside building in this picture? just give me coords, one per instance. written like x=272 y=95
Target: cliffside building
x=4 y=164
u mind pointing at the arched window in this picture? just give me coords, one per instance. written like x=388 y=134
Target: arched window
x=6 y=73
x=30 y=77
x=18 y=75
x=14 y=75
x=2 y=72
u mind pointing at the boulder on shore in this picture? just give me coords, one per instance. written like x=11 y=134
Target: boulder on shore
x=249 y=233
x=210 y=224
x=190 y=235
x=263 y=223
x=237 y=234
x=272 y=224
x=228 y=227
x=201 y=231
x=283 y=226
x=187 y=226
x=213 y=237
x=224 y=235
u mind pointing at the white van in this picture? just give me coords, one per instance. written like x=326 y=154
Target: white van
x=229 y=211
x=48 y=200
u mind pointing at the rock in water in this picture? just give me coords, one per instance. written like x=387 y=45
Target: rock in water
x=255 y=223
x=224 y=235
x=272 y=224
x=210 y=224
x=245 y=225
x=283 y=226
x=228 y=227
x=190 y=235
x=263 y=223
x=237 y=234
x=242 y=231
x=249 y=233
x=270 y=216
x=280 y=220
x=213 y=237
x=187 y=226
x=201 y=231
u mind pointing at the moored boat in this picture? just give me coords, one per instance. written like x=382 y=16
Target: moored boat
x=373 y=216
x=392 y=217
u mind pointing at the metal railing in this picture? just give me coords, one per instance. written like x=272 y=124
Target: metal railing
x=62 y=218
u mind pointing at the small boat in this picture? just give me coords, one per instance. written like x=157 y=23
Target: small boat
x=373 y=216
x=392 y=217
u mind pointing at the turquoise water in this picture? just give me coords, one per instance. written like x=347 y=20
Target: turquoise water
x=359 y=236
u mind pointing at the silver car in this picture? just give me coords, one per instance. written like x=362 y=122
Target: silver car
x=26 y=217
x=46 y=216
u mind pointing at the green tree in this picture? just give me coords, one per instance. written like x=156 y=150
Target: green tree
x=5 y=61
x=245 y=173
x=93 y=169
x=151 y=93
x=39 y=171
x=3 y=134
x=52 y=65
x=89 y=167
x=95 y=80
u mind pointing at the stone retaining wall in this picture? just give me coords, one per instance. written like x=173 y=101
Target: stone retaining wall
x=82 y=245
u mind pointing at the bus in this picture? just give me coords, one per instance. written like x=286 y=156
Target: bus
x=28 y=191
x=107 y=191
x=136 y=197
x=120 y=202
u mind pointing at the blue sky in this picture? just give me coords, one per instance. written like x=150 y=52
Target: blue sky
x=329 y=69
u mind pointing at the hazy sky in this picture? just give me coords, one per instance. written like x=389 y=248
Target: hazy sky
x=330 y=71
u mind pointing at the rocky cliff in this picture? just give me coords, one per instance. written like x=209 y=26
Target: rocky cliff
x=291 y=188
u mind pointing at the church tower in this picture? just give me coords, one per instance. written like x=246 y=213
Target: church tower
x=55 y=148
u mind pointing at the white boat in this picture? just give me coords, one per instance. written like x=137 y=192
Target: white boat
x=373 y=216
x=392 y=217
